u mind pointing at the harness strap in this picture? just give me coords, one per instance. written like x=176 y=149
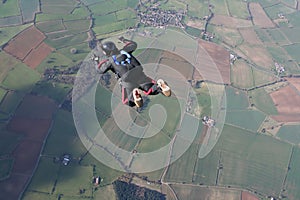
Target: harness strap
x=127 y=60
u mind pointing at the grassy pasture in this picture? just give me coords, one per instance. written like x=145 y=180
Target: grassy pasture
x=106 y=173
x=274 y=10
x=118 y=137
x=45 y=176
x=21 y=78
x=57 y=9
x=182 y=170
x=290 y=133
x=260 y=162
x=72 y=178
x=173 y=5
x=294 y=51
x=228 y=36
x=29 y=9
x=105 y=193
x=7 y=62
x=238 y=9
x=132 y=3
x=278 y=36
x=63 y=137
x=197 y=8
x=236 y=99
x=194 y=192
x=77 y=26
x=106 y=7
x=28 y=195
x=82 y=51
x=220 y=7
x=153 y=143
x=78 y=13
x=67 y=40
x=113 y=27
x=50 y=26
x=11 y=101
x=262 y=77
x=279 y=55
x=263 y=35
x=246 y=119
x=2 y=93
x=263 y=101
x=206 y=169
x=9 y=32
x=293 y=176
x=173 y=115
x=55 y=91
x=105 y=19
x=103 y=100
x=291 y=34
x=294 y=19
x=241 y=74
x=54 y=59
x=9 y=8
x=125 y=14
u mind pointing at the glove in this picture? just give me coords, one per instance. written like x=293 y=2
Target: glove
x=121 y=39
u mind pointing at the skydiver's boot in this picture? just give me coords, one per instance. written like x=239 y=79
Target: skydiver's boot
x=138 y=100
x=165 y=89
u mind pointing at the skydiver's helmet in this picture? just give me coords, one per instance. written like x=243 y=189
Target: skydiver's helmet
x=109 y=48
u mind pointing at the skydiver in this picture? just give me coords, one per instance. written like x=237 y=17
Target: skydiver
x=129 y=70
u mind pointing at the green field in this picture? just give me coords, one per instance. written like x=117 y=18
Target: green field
x=197 y=8
x=245 y=119
x=227 y=36
x=11 y=101
x=236 y=99
x=219 y=7
x=194 y=192
x=82 y=51
x=263 y=101
x=7 y=62
x=45 y=176
x=55 y=91
x=29 y=9
x=10 y=8
x=8 y=32
x=2 y=94
x=293 y=176
x=21 y=78
x=63 y=137
x=182 y=170
x=103 y=100
x=153 y=143
x=278 y=36
x=54 y=59
x=238 y=9
x=294 y=51
x=241 y=75
x=262 y=77
x=274 y=10
x=253 y=165
x=290 y=133
x=50 y=26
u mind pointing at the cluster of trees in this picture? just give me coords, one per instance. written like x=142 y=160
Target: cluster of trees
x=130 y=191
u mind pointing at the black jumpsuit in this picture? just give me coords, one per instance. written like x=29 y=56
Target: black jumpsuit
x=130 y=71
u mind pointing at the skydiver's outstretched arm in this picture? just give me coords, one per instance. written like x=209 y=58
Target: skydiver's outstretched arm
x=130 y=45
x=103 y=66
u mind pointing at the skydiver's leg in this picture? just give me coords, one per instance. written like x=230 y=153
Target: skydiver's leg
x=154 y=88
x=132 y=97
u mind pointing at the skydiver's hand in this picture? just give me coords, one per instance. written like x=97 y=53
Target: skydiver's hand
x=121 y=39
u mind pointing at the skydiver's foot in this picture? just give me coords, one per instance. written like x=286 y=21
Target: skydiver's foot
x=138 y=100
x=165 y=89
